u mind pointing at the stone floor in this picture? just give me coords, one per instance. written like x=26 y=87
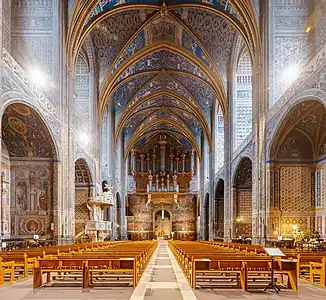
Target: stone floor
x=162 y=280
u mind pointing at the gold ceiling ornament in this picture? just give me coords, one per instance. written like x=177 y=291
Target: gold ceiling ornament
x=153 y=134
x=157 y=75
x=198 y=113
x=108 y=83
x=77 y=31
x=185 y=131
x=218 y=76
x=245 y=9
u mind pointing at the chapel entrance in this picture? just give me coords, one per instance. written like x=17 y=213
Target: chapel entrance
x=162 y=224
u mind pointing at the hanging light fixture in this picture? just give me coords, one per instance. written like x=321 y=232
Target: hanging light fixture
x=162 y=214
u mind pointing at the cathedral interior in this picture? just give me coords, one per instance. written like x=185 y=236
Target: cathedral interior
x=196 y=120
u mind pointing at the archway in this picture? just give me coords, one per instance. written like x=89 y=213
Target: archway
x=242 y=203
x=82 y=193
x=297 y=166
x=162 y=224
x=206 y=218
x=29 y=173
x=219 y=209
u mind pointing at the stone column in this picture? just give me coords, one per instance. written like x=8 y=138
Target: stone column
x=260 y=105
x=177 y=164
x=66 y=205
x=228 y=225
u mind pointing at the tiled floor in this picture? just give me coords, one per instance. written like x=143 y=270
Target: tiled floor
x=306 y=291
x=162 y=280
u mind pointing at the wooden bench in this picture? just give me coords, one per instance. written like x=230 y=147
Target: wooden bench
x=84 y=267
x=318 y=271
x=21 y=262
x=242 y=268
x=7 y=268
x=128 y=261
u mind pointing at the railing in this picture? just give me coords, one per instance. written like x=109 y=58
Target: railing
x=160 y=189
x=98 y=226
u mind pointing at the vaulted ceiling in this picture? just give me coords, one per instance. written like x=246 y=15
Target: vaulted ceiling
x=163 y=66
x=302 y=134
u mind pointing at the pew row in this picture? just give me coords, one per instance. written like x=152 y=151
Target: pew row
x=122 y=264
x=206 y=268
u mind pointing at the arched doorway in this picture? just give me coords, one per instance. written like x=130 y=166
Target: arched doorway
x=162 y=224
x=82 y=193
x=219 y=209
x=297 y=166
x=206 y=216
x=29 y=173
x=242 y=203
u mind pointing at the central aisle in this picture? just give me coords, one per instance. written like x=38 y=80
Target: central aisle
x=163 y=279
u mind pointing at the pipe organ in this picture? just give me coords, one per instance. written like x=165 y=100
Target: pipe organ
x=163 y=167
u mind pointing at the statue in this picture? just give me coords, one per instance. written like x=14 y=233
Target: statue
x=148 y=200
x=90 y=207
x=150 y=180
x=107 y=192
x=175 y=198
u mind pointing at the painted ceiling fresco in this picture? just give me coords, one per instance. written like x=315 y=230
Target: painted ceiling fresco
x=302 y=134
x=165 y=60
x=25 y=134
x=105 y=5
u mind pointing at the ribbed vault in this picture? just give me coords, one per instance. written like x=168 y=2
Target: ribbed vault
x=163 y=67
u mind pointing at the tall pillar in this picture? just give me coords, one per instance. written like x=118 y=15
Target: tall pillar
x=260 y=104
x=67 y=207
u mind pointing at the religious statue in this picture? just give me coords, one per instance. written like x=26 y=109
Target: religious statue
x=175 y=198
x=174 y=177
x=42 y=200
x=148 y=200
x=107 y=192
x=150 y=180
x=90 y=207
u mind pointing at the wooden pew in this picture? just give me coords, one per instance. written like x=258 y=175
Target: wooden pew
x=198 y=260
x=318 y=271
x=7 y=268
x=21 y=262
x=127 y=261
